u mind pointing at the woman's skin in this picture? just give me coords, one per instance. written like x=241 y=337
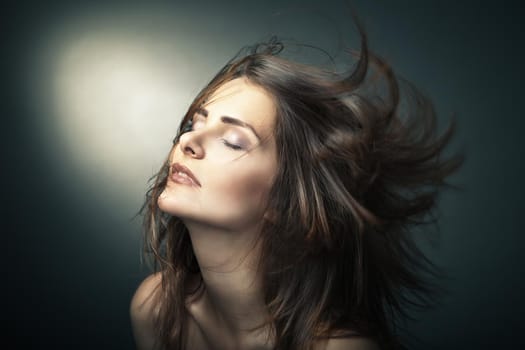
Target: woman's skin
x=232 y=154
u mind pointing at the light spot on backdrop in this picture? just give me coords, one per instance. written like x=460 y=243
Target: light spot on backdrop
x=110 y=97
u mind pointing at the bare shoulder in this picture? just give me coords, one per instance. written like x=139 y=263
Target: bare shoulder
x=350 y=343
x=142 y=302
x=143 y=310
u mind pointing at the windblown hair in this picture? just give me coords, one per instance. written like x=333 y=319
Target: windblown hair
x=359 y=168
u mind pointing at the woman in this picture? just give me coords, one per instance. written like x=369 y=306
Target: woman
x=281 y=218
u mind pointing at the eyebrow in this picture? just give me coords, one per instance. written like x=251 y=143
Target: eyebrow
x=230 y=120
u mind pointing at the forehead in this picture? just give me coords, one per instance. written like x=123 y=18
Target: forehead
x=241 y=99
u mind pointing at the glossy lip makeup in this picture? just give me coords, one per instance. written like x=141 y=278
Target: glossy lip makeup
x=183 y=175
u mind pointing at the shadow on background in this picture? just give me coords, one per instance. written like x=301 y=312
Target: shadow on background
x=72 y=252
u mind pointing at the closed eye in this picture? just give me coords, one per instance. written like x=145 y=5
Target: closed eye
x=231 y=145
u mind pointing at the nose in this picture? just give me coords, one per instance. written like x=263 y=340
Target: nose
x=190 y=145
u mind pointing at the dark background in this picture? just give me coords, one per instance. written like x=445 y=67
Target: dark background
x=71 y=256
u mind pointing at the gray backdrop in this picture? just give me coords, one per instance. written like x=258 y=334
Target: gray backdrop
x=79 y=145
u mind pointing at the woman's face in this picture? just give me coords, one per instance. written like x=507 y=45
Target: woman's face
x=222 y=170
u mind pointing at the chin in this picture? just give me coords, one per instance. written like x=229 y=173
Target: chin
x=172 y=206
x=167 y=204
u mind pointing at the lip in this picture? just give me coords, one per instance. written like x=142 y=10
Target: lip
x=183 y=175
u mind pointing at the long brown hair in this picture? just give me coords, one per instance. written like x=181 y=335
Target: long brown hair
x=360 y=166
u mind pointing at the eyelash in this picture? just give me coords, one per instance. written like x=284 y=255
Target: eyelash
x=189 y=127
x=231 y=145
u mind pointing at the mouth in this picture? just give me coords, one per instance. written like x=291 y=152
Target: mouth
x=183 y=175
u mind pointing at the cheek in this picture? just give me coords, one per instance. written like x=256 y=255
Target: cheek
x=246 y=190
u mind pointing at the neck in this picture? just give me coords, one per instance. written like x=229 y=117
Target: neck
x=233 y=295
